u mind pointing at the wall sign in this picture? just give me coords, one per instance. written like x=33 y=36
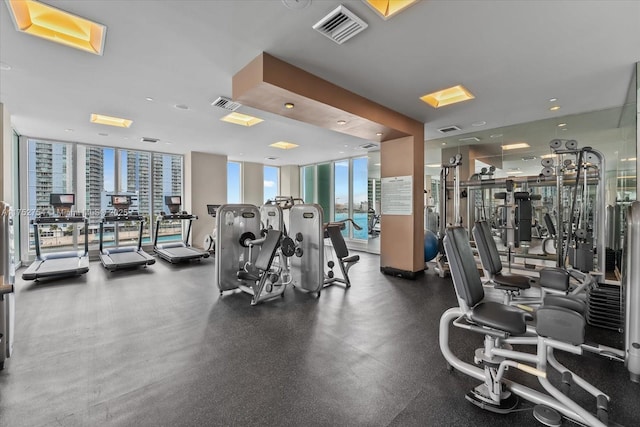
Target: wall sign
x=397 y=195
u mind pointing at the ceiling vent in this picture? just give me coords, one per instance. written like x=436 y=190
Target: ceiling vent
x=448 y=129
x=469 y=139
x=226 y=103
x=150 y=140
x=272 y=158
x=340 y=25
x=368 y=146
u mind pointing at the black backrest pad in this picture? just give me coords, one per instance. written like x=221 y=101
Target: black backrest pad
x=549 y=223
x=463 y=267
x=487 y=249
x=268 y=249
x=339 y=246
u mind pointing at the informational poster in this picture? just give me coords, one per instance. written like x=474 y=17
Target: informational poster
x=397 y=195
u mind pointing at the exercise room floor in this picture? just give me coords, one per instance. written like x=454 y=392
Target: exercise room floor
x=160 y=347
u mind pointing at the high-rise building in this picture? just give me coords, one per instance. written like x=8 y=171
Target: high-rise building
x=50 y=171
x=138 y=178
x=94 y=182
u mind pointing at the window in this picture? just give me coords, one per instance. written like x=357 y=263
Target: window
x=50 y=170
x=341 y=194
x=359 y=199
x=135 y=181
x=233 y=183
x=99 y=180
x=323 y=189
x=271 y=182
x=166 y=181
x=308 y=183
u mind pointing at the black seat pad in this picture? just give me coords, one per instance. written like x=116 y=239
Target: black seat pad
x=513 y=281
x=501 y=317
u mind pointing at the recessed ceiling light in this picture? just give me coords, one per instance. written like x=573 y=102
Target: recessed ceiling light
x=68 y=130
x=447 y=96
x=496 y=135
x=181 y=107
x=480 y=123
x=388 y=8
x=434 y=165
x=283 y=145
x=289 y=105
x=168 y=143
x=379 y=133
x=548 y=156
x=444 y=143
x=4 y=66
x=103 y=134
x=148 y=98
x=554 y=108
x=48 y=22
x=515 y=146
x=561 y=125
x=241 y=119
x=342 y=122
x=553 y=99
x=110 y=120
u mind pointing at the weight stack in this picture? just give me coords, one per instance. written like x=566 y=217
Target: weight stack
x=605 y=307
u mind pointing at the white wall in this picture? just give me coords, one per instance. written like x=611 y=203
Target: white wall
x=6 y=156
x=252 y=183
x=290 y=181
x=205 y=182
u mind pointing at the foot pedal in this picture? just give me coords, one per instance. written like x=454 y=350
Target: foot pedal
x=547 y=416
x=504 y=407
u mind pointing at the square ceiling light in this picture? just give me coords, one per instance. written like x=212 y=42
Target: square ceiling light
x=447 y=96
x=283 y=145
x=515 y=146
x=388 y=8
x=241 y=119
x=110 y=121
x=56 y=25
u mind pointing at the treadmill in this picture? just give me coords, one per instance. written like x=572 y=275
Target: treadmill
x=120 y=257
x=62 y=263
x=176 y=252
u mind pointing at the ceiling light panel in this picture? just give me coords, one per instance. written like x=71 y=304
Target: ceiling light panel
x=515 y=146
x=110 y=121
x=388 y=8
x=241 y=119
x=448 y=96
x=283 y=145
x=47 y=22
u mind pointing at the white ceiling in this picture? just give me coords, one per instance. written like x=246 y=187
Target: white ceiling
x=513 y=56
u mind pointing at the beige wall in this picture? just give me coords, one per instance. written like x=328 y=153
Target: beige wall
x=205 y=182
x=6 y=156
x=252 y=183
x=290 y=181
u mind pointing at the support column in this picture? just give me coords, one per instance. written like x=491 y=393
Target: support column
x=6 y=156
x=205 y=183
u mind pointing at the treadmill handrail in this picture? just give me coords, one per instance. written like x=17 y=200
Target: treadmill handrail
x=169 y=217
x=36 y=232
x=57 y=219
x=121 y=218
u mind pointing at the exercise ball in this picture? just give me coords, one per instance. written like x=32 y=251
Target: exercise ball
x=430 y=245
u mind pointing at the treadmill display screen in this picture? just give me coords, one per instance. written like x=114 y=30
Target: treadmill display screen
x=62 y=199
x=120 y=200
x=212 y=210
x=172 y=200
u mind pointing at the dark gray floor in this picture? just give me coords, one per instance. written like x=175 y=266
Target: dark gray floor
x=158 y=346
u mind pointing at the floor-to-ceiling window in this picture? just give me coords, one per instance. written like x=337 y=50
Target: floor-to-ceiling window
x=271 y=182
x=234 y=183
x=341 y=197
x=359 y=196
x=93 y=174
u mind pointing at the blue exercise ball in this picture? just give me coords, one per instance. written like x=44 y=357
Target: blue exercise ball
x=430 y=245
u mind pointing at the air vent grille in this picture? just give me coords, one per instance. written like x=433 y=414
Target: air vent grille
x=340 y=25
x=150 y=140
x=447 y=129
x=226 y=103
x=368 y=146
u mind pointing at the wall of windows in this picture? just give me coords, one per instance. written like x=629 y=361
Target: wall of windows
x=94 y=174
x=271 y=182
x=340 y=187
x=234 y=183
